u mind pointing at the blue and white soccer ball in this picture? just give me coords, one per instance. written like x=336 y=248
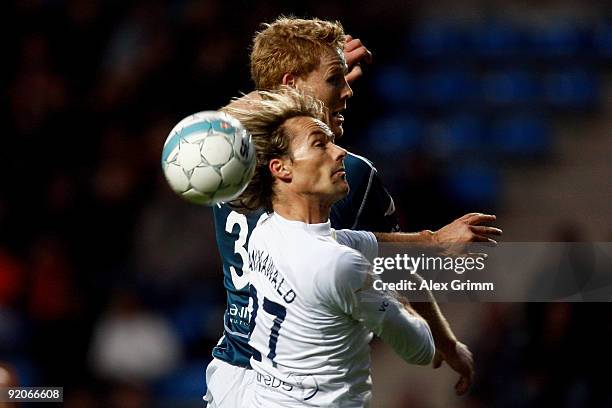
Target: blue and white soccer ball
x=208 y=158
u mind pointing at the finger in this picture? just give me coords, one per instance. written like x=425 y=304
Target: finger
x=484 y=230
x=352 y=44
x=347 y=38
x=357 y=55
x=463 y=385
x=468 y=215
x=437 y=361
x=368 y=57
x=480 y=218
x=355 y=73
x=474 y=214
x=485 y=240
x=477 y=255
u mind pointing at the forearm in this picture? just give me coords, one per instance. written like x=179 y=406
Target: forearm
x=424 y=238
x=443 y=335
x=398 y=325
x=452 y=238
x=409 y=335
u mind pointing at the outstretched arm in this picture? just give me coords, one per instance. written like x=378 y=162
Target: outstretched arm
x=451 y=239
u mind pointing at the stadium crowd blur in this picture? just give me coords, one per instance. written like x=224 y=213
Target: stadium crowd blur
x=110 y=286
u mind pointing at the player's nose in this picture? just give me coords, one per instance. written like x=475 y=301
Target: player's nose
x=347 y=91
x=338 y=153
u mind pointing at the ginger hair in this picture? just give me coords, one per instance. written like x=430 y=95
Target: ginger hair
x=291 y=45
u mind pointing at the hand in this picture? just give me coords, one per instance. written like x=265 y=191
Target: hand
x=354 y=53
x=460 y=359
x=454 y=237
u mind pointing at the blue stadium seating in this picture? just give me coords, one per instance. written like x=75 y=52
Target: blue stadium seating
x=456 y=135
x=474 y=184
x=577 y=88
x=395 y=85
x=463 y=73
x=495 y=39
x=448 y=86
x=509 y=87
x=560 y=39
x=521 y=136
x=399 y=133
x=602 y=40
x=435 y=38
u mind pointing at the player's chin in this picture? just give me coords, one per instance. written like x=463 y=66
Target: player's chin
x=342 y=186
x=340 y=191
x=337 y=129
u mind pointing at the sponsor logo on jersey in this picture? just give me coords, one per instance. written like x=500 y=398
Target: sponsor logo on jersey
x=240 y=315
x=306 y=386
x=273 y=382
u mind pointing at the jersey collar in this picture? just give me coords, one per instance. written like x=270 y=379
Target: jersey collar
x=323 y=228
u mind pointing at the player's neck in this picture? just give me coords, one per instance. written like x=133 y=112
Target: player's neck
x=304 y=209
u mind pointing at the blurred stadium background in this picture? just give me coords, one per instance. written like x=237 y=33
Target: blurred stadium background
x=110 y=286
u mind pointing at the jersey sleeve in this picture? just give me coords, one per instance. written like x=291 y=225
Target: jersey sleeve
x=378 y=209
x=337 y=287
x=362 y=241
x=382 y=312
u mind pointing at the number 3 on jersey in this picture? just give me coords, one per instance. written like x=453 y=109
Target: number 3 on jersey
x=241 y=280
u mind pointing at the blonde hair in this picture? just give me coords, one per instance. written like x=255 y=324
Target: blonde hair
x=291 y=45
x=264 y=115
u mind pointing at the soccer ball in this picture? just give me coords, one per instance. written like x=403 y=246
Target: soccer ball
x=208 y=158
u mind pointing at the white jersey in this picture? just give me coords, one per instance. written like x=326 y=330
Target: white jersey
x=308 y=348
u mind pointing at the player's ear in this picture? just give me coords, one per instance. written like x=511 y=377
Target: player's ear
x=289 y=79
x=280 y=169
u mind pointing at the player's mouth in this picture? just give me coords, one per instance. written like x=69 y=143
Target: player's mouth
x=337 y=116
x=340 y=171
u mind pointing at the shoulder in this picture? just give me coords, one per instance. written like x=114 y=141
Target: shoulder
x=363 y=241
x=336 y=285
x=359 y=159
x=359 y=173
x=358 y=163
x=350 y=263
x=347 y=270
x=263 y=228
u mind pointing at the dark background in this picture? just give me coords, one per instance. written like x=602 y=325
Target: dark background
x=110 y=285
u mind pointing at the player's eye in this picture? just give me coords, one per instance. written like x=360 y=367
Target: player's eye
x=335 y=79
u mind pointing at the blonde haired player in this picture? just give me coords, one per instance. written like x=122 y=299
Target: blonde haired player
x=313 y=305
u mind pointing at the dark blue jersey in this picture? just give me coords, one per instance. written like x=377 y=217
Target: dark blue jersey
x=368 y=206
